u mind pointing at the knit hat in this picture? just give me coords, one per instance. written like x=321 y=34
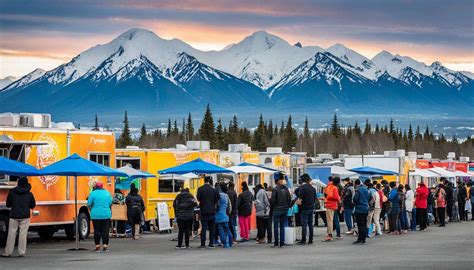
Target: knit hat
x=99 y=185
x=278 y=176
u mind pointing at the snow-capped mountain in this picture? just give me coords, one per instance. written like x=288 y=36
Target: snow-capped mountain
x=6 y=81
x=141 y=71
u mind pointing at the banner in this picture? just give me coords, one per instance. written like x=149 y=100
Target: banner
x=163 y=216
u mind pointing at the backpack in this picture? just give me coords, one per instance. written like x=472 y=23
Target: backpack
x=347 y=200
x=372 y=201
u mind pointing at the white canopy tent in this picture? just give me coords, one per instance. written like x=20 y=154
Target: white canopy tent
x=417 y=175
x=249 y=169
x=462 y=174
x=423 y=173
x=342 y=172
x=443 y=173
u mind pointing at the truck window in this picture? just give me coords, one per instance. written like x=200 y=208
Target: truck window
x=253 y=180
x=101 y=158
x=166 y=185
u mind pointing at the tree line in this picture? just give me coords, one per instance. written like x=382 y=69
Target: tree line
x=336 y=139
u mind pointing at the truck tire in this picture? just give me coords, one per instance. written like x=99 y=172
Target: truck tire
x=46 y=232
x=84 y=226
x=4 y=220
x=70 y=233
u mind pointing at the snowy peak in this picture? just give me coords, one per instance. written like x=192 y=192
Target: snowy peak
x=357 y=62
x=27 y=79
x=6 y=81
x=189 y=68
x=258 y=42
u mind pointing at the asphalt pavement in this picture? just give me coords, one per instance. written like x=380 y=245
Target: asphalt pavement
x=451 y=247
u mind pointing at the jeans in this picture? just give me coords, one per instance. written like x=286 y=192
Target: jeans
x=441 y=216
x=348 y=218
x=337 y=225
x=184 y=228
x=232 y=225
x=413 y=220
x=269 y=230
x=101 y=231
x=403 y=220
x=262 y=225
x=393 y=220
x=421 y=214
x=361 y=220
x=306 y=222
x=224 y=234
x=13 y=227
x=244 y=224
x=279 y=220
x=208 y=223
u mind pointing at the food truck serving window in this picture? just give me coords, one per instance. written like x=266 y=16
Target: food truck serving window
x=166 y=185
x=101 y=158
x=253 y=180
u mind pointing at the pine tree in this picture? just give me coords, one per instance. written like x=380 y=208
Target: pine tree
x=417 y=134
x=143 y=135
x=175 y=131
x=234 y=130
x=410 y=133
x=377 y=129
x=96 y=123
x=368 y=128
x=290 y=136
x=259 y=139
x=189 y=128
x=306 y=133
x=426 y=134
x=270 y=131
x=335 y=128
x=220 y=139
x=357 y=129
x=207 y=130
x=169 y=130
x=125 y=138
x=392 y=127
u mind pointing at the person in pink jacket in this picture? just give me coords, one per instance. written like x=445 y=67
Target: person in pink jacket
x=421 y=203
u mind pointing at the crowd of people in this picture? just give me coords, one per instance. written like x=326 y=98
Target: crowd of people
x=226 y=215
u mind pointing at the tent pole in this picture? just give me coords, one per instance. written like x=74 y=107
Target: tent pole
x=75 y=211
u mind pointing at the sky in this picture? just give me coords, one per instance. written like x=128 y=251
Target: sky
x=47 y=33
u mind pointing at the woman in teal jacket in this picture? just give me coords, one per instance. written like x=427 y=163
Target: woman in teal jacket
x=100 y=202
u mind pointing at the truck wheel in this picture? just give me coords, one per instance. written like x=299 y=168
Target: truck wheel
x=46 y=232
x=70 y=233
x=4 y=220
x=84 y=226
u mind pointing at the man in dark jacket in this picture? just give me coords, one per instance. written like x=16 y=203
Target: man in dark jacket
x=280 y=201
x=208 y=198
x=233 y=213
x=361 y=210
x=462 y=197
x=306 y=200
x=449 y=198
x=20 y=201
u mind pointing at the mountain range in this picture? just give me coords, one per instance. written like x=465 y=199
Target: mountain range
x=145 y=74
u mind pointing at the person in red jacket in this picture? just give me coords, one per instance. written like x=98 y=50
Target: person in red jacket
x=331 y=202
x=421 y=203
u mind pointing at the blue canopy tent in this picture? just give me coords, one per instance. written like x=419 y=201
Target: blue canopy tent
x=197 y=166
x=12 y=167
x=366 y=170
x=75 y=165
x=133 y=174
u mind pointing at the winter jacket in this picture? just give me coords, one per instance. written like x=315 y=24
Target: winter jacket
x=462 y=194
x=307 y=194
x=262 y=204
x=402 y=197
x=99 y=202
x=135 y=200
x=347 y=195
x=184 y=206
x=332 y=198
x=441 y=198
x=421 y=200
x=361 y=200
x=378 y=199
x=281 y=198
x=20 y=200
x=221 y=215
x=244 y=203
x=394 y=200
x=233 y=201
x=449 y=194
x=410 y=197
x=471 y=193
x=208 y=198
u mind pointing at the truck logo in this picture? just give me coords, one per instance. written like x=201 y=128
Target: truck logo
x=46 y=155
x=96 y=140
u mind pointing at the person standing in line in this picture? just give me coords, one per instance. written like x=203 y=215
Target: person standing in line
x=373 y=201
x=183 y=207
x=135 y=209
x=262 y=209
x=378 y=209
x=21 y=201
x=449 y=198
x=395 y=209
x=361 y=210
x=332 y=200
x=233 y=213
x=441 y=203
x=403 y=213
x=421 y=203
x=269 y=231
x=208 y=198
x=462 y=197
x=347 y=205
x=306 y=199
x=471 y=198
x=222 y=216
x=280 y=201
x=336 y=222
x=100 y=202
x=409 y=200
x=244 y=211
